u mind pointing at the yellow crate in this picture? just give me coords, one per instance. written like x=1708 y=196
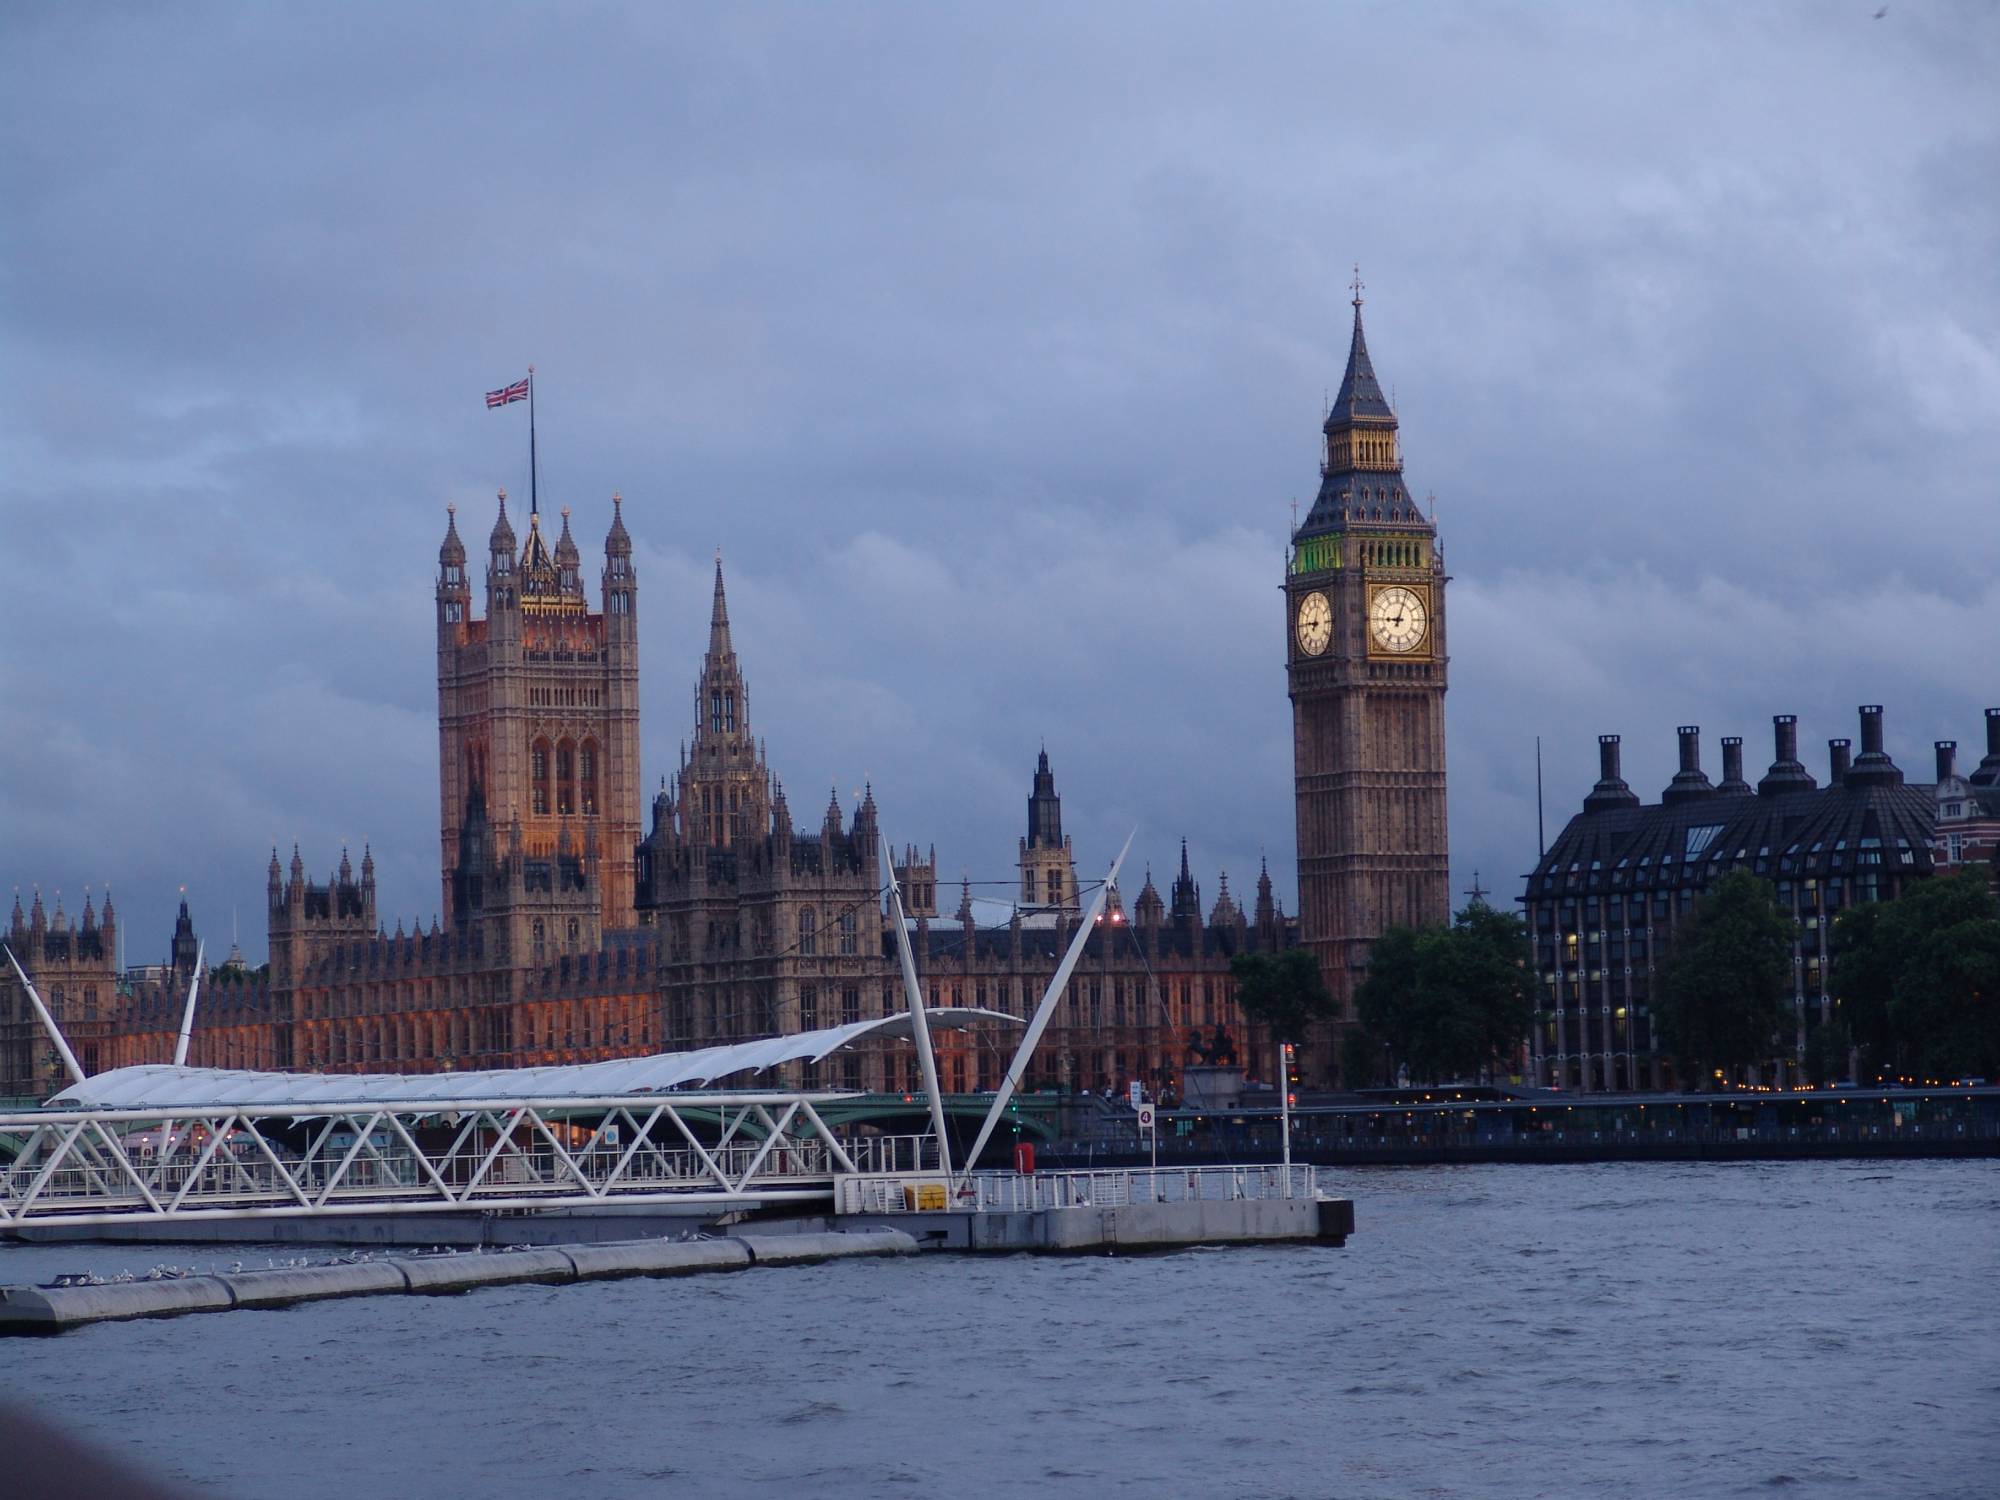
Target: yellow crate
x=924 y=1197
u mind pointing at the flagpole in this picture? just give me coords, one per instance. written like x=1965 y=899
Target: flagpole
x=533 y=471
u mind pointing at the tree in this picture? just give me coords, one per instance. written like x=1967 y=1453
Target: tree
x=1284 y=991
x=1918 y=978
x=1722 y=998
x=1449 y=1002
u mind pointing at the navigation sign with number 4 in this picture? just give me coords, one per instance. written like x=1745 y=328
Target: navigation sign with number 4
x=1145 y=1117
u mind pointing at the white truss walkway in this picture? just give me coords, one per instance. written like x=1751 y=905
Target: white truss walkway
x=162 y=1142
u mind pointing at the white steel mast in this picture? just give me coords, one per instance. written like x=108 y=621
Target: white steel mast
x=920 y=1030
x=187 y=1012
x=1047 y=1008
x=48 y=1021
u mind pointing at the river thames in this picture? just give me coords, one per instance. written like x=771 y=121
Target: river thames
x=1805 y=1328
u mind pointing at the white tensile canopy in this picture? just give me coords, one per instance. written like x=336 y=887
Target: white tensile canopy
x=164 y=1086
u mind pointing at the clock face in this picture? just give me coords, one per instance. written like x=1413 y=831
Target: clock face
x=1315 y=623
x=1397 y=619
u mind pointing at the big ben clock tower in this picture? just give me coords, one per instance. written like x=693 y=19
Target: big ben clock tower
x=1366 y=665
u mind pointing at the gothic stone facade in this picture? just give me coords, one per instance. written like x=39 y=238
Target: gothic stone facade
x=568 y=937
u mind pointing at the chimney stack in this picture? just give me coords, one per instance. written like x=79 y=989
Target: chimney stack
x=1988 y=773
x=1839 y=755
x=1871 y=729
x=1733 y=784
x=1872 y=767
x=1688 y=782
x=1947 y=759
x=1611 y=790
x=1787 y=774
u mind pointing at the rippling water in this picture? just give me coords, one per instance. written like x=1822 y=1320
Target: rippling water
x=1617 y=1330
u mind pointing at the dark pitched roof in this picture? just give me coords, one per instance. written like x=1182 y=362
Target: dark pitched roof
x=1837 y=831
x=1360 y=398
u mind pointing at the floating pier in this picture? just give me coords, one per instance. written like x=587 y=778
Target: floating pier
x=55 y=1309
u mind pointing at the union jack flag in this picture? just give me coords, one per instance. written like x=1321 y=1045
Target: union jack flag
x=518 y=391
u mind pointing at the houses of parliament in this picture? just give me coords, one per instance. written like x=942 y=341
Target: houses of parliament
x=574 y=927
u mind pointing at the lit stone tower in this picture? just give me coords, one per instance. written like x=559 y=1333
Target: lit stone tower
x=724 y=784
x=1366 y=662
x=1047 y=864
x=538 y=705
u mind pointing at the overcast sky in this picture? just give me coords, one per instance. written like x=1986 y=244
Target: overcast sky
x=989 y=345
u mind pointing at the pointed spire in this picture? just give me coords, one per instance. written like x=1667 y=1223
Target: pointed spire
x=965 y=901
x=1149 y=906
x=1044 y=808
x=538 y=569
x=89 y=916
x=59 y=922
x=367 y=864
x=346 y=869
x=1360 y=396
x=1225 y=910
x=502 y=539
x=107 y=919
x=617 y=541
x=718 y=616
x=298 y=865
x=38 y=920
x=1187 y=895
x=18 y=920
x=452 y=553
x=569 y=570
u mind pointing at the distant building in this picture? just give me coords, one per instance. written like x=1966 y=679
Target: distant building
x=75 y=970
x=1605 y=901
x=567 y=936
x=1968 y=808
x=1367 y=669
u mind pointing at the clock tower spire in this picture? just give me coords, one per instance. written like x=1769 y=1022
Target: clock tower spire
x=1367 y=668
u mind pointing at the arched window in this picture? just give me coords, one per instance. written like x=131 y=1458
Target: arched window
x=729 y=712
x=808 y=931
x=565 y=779
x=847 y=933
x=540 y=940
x=572 y=933
x=588 y=776
x=538 y=776
x=715 y=713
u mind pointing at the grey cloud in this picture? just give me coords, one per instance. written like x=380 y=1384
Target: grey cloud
x=989 y=346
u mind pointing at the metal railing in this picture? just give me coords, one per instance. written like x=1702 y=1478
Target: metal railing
x=99 y=1166
x=1029 y=1192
